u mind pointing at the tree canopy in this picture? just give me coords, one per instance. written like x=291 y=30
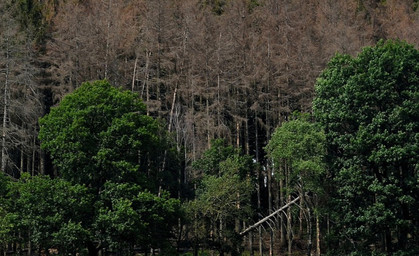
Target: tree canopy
x=100 y=133
x=101 y=139
x=369 y=108
x=223 y=197
x=300 y=144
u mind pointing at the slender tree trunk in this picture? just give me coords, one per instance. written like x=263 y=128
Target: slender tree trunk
x=252 y=253
x=258 y=185
x=108 y=28
x=269 y=173
x=146 y=75
x=309 y=231
x=208 y=124
x=282 y=200
x=221 y=237
x=318 y=253
x=28 y=160
x=33 y=154
x=22 y=159
x=5 y=106
x=170 y=129
x=134 y=74
x=289 y=227
x=218 y=82
x=289 y=217
x=301 y=217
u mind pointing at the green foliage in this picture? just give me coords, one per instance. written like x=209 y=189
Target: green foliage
x=223 y=195
x=217 y=6
x=48 y=212
x=100 y=133
x=70 y=237
x=101 y=139
x=300 y=144
x=6 y=217
x=213 y=160
x=369 y=107
x=129 y=216
x=29 y=14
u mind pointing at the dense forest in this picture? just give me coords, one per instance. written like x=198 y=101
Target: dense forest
x=240 y=127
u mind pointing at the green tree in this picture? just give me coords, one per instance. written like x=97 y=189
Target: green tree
x=130 y=216
x=300 y=144
x=223 y=196
x=100 y=137
x=6 y=218
x=100 y=133
x=42 y=211
x=297 y=149
x=369 y=108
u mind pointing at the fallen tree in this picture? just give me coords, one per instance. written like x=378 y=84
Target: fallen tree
x=260 y=222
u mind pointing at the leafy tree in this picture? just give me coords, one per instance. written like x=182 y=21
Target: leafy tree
x=6 y=223
x=368 y=106
x=100 y=133
x=211 y=161
x=101 y=138
x=44 y=211
x=223 y=196
x=129 y=216
x=300 y=144
x=297 y=149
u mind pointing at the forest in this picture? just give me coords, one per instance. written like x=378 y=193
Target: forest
x=209 y=127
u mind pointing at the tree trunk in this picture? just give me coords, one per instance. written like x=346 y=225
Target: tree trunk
x=108 y=28
x=269 y=174
x=221 y=238
x=309 y=231
x=5 y=105
x=22 y=159
x=33 y=155
x=252 y=253
x=289 y=217
x=301 y=217
x=317 y=235
x=134 y=74
x=282 y=200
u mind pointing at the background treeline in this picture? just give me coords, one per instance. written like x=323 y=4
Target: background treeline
x=233 y=69
x=230 y=69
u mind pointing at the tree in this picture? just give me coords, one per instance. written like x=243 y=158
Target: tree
x=130 y=216
x=297 y=149
x=6 y=223
x=368 y=106
x=100 y=133
x=21 y=105
x=223 y=197
x=46 y=211
x=100 y=137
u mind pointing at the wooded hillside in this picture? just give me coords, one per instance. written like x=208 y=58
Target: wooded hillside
x=231 y=69
x=206 y=69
